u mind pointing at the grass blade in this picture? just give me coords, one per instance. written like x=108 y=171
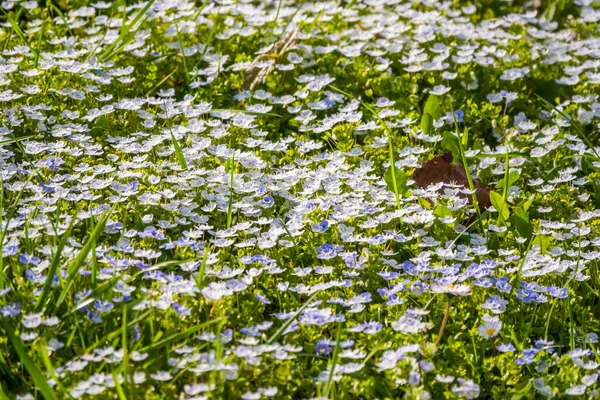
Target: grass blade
x=182 y=49
x=178 y=336
x=54 y=265
x=126 y=34
x=202 y=270
x=288 y=322
x=574 y=123
x=230 y=204
x=38 y=379
x=179 y=152
x=389 y=132
x=81 y=257
x=334 y=361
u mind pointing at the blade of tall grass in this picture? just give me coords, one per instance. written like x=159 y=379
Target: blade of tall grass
x=178 y=336
x=81 y=257
x=62 y=17
x=18 y=139
x=334 y=361
x=200 y=9
x=160 y=83
x=43 y=352
x=38 y=379
x=230 y=203
x=389 y=132
x=183 y=61
x=178 y=152
x=202 y=270
x=126 y=35
x=108 y=285
x=574 y=123
x=467 y=170
x=38 y=47
x=55 y=263
x=118 y=386
x=289 y=321
x=126 y=367
x=17 y=29
x=211 y=34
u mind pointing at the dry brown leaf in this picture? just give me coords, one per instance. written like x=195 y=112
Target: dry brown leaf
x=441 y=170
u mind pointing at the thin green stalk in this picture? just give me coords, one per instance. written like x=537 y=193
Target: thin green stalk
x=289 y=321
x=549 y=318
x=390 y=143
x=467 y=170
x=334 y=361
x=230 y=205
x=182 y=49
x=126 y=34
x=574 y=123
x=202 y=270
x=1 y=238
x=521 y=264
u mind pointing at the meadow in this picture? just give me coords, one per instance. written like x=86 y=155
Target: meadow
x=342 y=199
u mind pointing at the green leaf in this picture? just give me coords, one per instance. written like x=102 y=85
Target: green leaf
x=432 y=106
x=427 y=124
x=38 y=379
x=521 y=223
x=442 y=211
x=465 y=137
x=543 y=242
x=513 y=176
x=178 y=152
x=450 y=143
x=521 y=213
x=500 y=205
x=401 y=180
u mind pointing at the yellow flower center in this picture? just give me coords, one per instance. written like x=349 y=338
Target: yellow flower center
x=490 y=331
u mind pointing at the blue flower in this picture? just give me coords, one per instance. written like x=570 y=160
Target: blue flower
x=326 y=251
x=94 y=317
x=9 y=251
x=11 y=310
x=526 y=295
x=263 y=299
x=506 y=348
x=559 y=293
x=136 y=333
x=103 y=306
x=460 y=114
x=267 y=202
x=29 y=259
x=181 y=310
x=502 y=284
x=322 y=348
x=321 y=227
x=495 y=304
x=417 y=288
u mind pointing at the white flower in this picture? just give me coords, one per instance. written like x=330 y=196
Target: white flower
x=490 y=328
x=454 y=290
x=439 y=90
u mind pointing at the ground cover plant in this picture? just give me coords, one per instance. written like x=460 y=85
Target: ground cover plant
x=362 y=199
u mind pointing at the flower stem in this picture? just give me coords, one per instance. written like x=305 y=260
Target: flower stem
x=446 y=313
